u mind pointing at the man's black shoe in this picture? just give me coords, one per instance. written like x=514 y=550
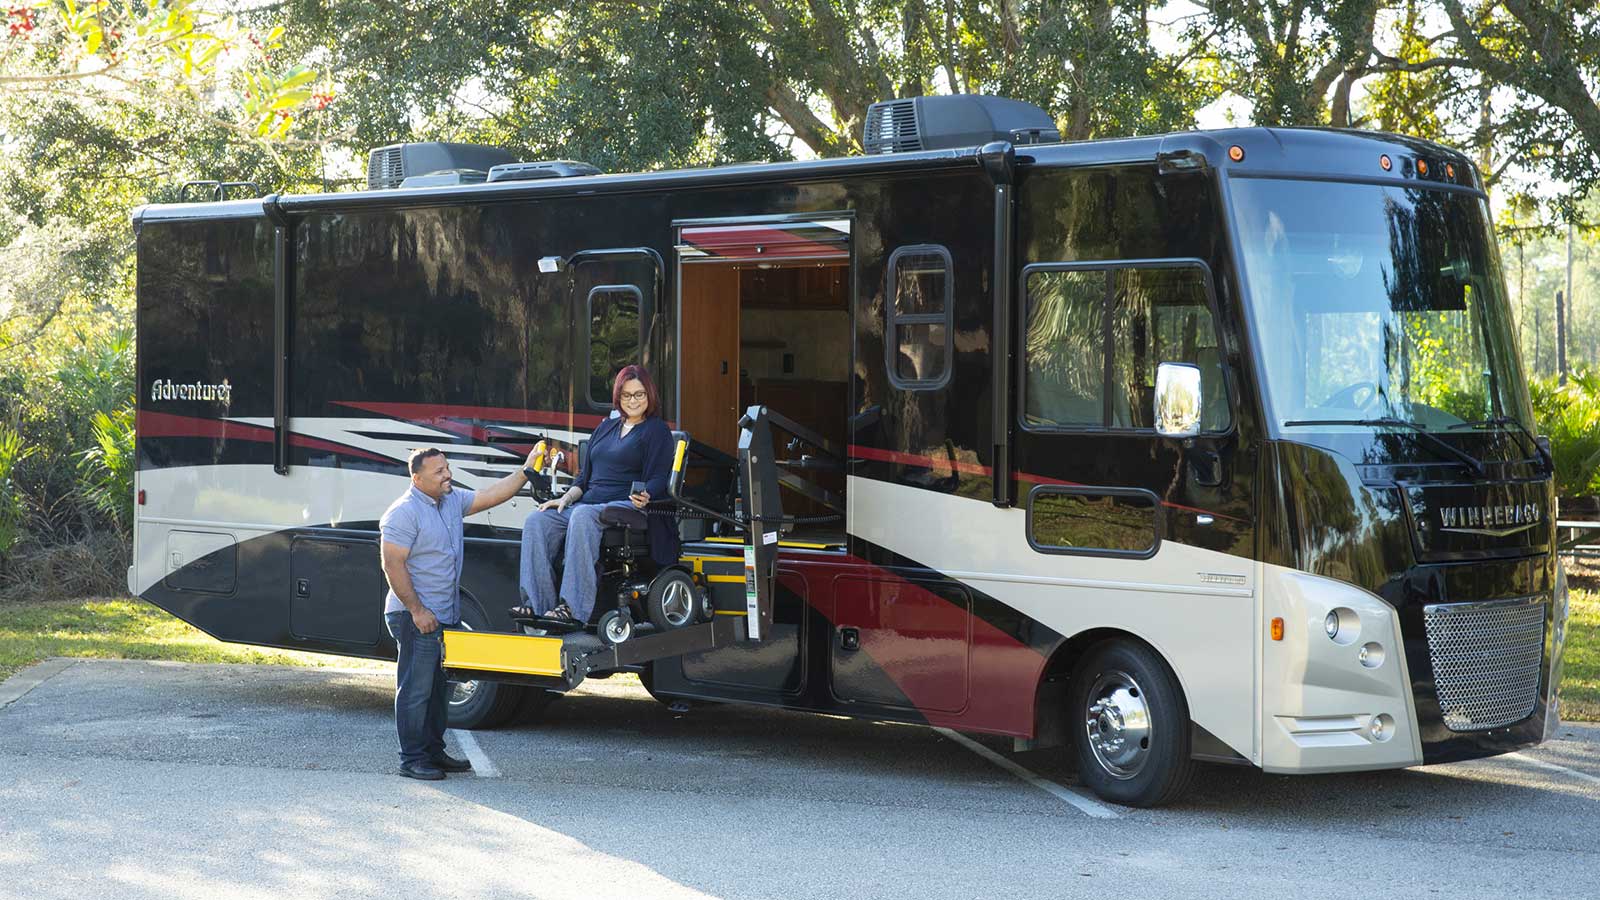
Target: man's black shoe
x=422 y=771
x=451 y=764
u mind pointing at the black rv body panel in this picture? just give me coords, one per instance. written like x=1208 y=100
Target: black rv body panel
x=465 y=317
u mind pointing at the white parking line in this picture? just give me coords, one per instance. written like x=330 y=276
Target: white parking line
x=482 y=765
x=1583 y=776
x=1090 y=807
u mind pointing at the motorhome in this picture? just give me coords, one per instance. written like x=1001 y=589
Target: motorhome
x=1204 y=447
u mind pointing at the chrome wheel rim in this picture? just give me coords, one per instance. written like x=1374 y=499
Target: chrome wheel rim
x=677 y=603
x=462 y=692
x=1117 y=722
x=618 y=629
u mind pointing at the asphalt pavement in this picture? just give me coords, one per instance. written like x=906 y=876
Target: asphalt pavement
x=147 y=779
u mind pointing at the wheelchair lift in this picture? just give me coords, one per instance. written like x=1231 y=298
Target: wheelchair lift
x=562 y=662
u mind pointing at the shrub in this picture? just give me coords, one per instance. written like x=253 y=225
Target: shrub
x=13 y=505
x=1570 y=417
x=105 y=471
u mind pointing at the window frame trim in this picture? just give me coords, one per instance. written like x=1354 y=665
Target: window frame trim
x=1208 y=283
x=588 y=333
x=894 y=319
x=1158 y=520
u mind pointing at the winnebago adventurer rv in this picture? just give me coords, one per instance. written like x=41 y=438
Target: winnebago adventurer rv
x=1211 y=446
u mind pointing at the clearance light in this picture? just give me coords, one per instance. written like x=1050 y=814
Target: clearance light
x=1450 y=170
x=141 y=496
x=1236 y=153
x=1386 y=162
x=1422 y=167
x=1277 y=628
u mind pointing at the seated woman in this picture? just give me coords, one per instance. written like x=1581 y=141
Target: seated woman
x=633 y=446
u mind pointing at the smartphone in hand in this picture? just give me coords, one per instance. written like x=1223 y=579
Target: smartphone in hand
x=636 y=488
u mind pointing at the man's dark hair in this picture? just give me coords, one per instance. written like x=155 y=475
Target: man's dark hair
x=419 y=456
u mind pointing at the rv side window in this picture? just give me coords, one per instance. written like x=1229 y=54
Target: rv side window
x=613 y=336
x=1097 y=333
x=919 y=333
x=1094 y=521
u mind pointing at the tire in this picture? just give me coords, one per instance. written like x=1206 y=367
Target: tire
x=673 y=601
x=1130 y=726
x=481 y=704
x=615 y=627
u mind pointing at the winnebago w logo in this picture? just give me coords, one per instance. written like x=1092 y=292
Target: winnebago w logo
x=163 y=389
x=1497 y=520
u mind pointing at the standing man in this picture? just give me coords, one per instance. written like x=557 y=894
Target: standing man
x=422 y=555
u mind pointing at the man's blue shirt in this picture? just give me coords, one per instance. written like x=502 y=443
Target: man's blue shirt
x=433 y=533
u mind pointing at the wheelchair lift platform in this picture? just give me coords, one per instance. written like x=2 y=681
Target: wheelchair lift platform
x=562 y=661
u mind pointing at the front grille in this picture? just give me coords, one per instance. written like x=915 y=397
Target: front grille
x=1486 y=660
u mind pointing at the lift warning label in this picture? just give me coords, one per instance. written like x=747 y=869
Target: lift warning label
x=752 y=604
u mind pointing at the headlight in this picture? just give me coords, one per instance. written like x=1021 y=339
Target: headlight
x=1342 y=625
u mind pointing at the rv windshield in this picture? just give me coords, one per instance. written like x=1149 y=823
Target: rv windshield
x=1377 y=304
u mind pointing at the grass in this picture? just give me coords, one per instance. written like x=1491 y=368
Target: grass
x=130 y=629
x=1580 y=680
x=127 y=629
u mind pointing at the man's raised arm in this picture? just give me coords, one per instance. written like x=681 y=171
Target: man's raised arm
x=501 y=491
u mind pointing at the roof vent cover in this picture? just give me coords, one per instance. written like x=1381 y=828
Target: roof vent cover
x=958 y=120
x=388 y=167
x=892 y=127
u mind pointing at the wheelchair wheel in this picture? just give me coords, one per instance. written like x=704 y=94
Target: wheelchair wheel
x=615 y=626
x=673 y=601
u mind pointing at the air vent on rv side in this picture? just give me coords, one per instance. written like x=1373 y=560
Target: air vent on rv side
x=959 y=120
x=389 y=167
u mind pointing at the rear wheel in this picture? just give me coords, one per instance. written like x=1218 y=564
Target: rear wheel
x=1130 y=726
x=479 y=703
x=673 y=600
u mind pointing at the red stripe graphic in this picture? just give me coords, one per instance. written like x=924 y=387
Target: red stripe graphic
x=941 y=464
x=159 y=425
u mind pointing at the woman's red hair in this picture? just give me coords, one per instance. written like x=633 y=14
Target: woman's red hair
x=636 y=373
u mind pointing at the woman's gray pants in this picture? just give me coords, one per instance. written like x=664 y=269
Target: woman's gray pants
x=543 y=533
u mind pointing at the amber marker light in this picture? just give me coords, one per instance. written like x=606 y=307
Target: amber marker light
x=1277 y=628
x=1386 y=162
x=1422 y=167
x=1236 y=153
x=1450 y=170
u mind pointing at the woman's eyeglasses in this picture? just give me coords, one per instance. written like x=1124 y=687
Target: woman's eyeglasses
x=634 y=395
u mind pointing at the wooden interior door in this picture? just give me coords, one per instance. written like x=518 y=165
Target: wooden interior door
x=708 y=384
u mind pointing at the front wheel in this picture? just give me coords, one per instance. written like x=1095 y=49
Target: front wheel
x=1130 y=726
x=615 y=627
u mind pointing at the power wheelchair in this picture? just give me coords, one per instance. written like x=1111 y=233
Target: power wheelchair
x=635 y=595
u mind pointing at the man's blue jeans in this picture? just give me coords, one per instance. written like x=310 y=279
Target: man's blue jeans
x=421 y=692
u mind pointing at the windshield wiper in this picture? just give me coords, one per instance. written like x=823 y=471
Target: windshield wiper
x=1422 y=435
x=1538 y=448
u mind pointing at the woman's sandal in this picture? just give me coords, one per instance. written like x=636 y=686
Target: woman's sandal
x=561 y=618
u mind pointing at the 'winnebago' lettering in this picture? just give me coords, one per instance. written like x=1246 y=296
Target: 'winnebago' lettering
x=163 y=389
x=1496 y=515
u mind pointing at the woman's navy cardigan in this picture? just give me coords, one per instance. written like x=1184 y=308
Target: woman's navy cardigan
x=657 y=437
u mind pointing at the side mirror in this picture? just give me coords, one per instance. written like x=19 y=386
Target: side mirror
x=1177 y=400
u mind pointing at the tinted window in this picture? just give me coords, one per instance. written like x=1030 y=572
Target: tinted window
x=919 y=317
x=1138 y=317
x=613 y=336
x=1093 y=521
